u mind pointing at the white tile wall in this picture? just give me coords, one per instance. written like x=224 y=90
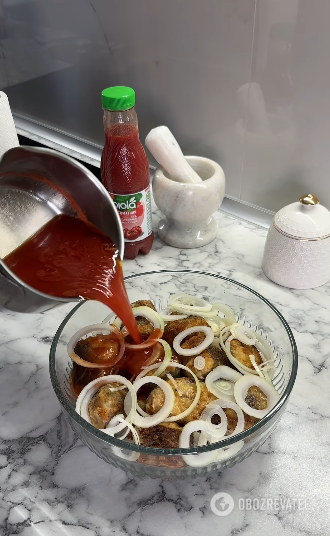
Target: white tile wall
x=290 y=62
x=186 y=59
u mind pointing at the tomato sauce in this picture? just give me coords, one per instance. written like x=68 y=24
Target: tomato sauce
x=124 y=167
x=71 y=258
x=125 y=174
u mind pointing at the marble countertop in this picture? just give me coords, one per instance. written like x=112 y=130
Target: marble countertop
x=52 y=485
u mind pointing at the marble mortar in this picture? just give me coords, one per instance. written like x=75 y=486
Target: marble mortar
x=188 y=208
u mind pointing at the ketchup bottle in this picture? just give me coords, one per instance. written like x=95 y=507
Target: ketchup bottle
x=125 y=169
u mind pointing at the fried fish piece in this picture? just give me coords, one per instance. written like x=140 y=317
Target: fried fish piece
x=105 y=404
x=184 y=392
x=256 y=398
x=210 y=364
x=213 y=355
x=97 y=348
x=143 y=303
x=173 y=328
x=163 y=436
x=232 y=420
x=145 y=327
x=242 y=351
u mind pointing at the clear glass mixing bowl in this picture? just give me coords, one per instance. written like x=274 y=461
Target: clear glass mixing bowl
x=251 y=309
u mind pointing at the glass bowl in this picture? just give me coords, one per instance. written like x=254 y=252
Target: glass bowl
x=250 y=308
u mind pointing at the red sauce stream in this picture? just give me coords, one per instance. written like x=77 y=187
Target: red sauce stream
x=69 y=258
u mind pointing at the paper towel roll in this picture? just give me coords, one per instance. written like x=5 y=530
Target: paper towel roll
x=8 y=134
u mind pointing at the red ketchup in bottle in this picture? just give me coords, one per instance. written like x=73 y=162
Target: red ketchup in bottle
x=125 y=169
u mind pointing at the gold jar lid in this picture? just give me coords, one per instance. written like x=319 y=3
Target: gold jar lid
x=309 y=199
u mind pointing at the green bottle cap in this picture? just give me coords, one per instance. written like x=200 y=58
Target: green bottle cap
x=118 y=98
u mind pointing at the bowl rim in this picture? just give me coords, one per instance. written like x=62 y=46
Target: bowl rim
x=112 y=441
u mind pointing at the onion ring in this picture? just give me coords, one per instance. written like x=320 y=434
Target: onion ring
x=198 y=349
x=91 y=329
x=199 y=362
x=216 y=430
x=194 y=402
x=229 y=315
x=168 y=356
x=151 y=341
x=149 y=314
x=213 y=409
x=120 y=452
x=196 y=460
x=91 y=388
x=202 y=306
x=216 y=323
x=241 y=388
x=222 y=372
x=243 y=334
x=160 y=416
x=170 y=318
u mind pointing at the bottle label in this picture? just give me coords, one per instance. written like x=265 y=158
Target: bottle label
x=135 y=214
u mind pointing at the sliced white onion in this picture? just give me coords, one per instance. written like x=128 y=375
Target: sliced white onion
x=266 y=353
x=91 y=388
x=261 y=344
x=121 y=419
x=198 y=389
x=196 y=460
x=167 y=358
x=209 y=336
x=243 y=385
x=167 y=317
x=122 y=452
x=216 y=430
x=262 y=370
x=149 y=314
x=244 y=334
x=216 y=324
x=114 y=422
x=214 y=408
x=229 y=315
x=199 y=362
x=165 y=410
x=242 y=368
x=91 y=330
x=190 y=303
x=175 y=383
x=224 y=373
x=192 y=312
x=240 y=416
x=224 y=386
x=151 y=341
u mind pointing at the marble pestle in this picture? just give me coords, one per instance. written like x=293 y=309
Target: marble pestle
x=166 y=150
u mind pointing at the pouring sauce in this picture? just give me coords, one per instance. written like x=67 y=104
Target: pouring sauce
x=70 y=258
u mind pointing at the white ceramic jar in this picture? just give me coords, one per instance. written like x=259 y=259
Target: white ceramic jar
x=297 y=250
